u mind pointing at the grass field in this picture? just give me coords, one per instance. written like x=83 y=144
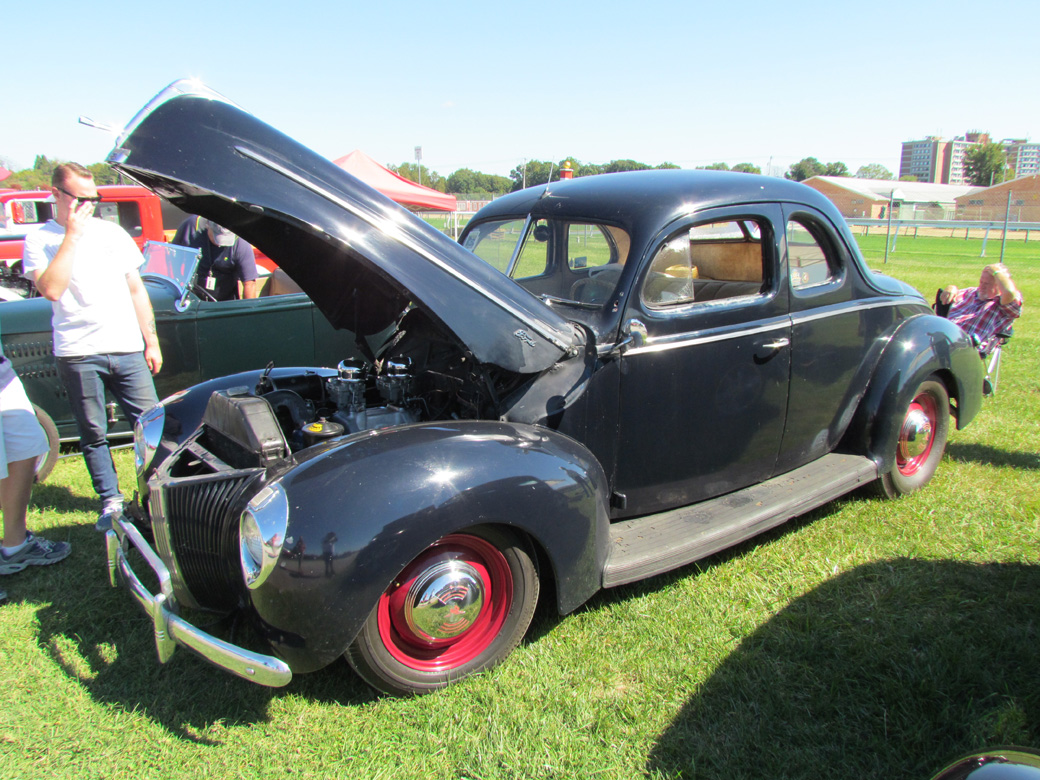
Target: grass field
x=866 y=639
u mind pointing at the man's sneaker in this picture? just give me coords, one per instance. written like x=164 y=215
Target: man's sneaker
x=113 y=508
x=36 y=552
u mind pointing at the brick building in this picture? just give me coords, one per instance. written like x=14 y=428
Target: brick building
x=991 y=203
x=869 y=198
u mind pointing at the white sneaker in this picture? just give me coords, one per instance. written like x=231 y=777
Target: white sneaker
x=113 y=508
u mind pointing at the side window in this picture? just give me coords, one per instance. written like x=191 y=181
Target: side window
x=806 y=258
x=707 y=262
x=126 y=214
x=589 y=246
x=596 y=256
x=18 y=216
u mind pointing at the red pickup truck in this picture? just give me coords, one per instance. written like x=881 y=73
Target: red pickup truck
x=142 y=213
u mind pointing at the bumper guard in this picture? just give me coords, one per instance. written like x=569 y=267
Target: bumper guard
x=170 y=628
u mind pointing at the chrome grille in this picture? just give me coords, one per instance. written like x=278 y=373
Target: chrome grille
x=195 y=520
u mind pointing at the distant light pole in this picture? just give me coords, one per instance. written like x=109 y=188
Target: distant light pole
x=891 y=201
x=418 y=162
x=1007 y=214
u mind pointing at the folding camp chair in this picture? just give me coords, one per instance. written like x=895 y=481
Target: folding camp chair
x=991 y=358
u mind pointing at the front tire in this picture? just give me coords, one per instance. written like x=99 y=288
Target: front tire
x=457 y=609
x=921 y=442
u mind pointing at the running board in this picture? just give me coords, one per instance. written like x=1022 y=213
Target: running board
x=645 y=546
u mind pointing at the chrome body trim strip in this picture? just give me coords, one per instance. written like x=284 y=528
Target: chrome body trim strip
x=680 y=340
x=693 y=338
x=857 y=305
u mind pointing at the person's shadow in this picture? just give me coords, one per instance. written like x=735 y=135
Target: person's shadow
x=892 y=669
x=102 y=639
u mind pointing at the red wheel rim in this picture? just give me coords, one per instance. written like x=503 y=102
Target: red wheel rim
x=468 y=631
x=917 y=435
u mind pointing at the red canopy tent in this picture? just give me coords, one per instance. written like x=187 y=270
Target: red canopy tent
x=399 y=189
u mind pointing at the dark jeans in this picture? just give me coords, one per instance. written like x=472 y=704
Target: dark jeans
x=127 y=378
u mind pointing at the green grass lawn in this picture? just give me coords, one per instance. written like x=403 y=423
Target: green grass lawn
x=866 y=639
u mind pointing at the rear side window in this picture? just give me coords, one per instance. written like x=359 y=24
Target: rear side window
x=806 y=258
x=594 y=246
x=18 y=216
x=709 y=262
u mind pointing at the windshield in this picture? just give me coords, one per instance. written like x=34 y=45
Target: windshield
x=561 y=261
x=176 y=263
x=495 y=242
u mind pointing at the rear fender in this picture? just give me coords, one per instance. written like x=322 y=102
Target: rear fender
x=382 y=497
x=921 y=347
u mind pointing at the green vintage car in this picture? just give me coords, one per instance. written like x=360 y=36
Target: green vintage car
x=200 y=339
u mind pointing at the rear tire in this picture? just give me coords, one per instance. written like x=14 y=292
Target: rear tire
x=53 y=442
x=921 y=443
x=457 y=609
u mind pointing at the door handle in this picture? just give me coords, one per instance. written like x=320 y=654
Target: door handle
x=777 y=344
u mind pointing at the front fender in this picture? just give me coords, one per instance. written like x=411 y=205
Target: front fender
x=922 y=346
x=372 y=503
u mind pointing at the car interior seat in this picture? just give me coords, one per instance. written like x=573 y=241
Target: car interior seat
x=598 y=286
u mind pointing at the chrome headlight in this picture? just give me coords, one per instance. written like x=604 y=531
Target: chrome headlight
x=148 y=432
x=261 y=533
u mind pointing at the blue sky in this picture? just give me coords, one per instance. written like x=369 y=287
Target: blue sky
x=483 y=86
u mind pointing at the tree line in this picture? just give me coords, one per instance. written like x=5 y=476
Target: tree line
x=527 y=174
x=984 y=164
x=39 y=176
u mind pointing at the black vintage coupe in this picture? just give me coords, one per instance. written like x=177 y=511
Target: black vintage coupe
x=608 y=378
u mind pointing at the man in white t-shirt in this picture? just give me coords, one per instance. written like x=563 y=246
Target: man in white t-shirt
x=104 y=328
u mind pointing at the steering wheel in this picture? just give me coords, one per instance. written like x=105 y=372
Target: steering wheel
x=202 y=293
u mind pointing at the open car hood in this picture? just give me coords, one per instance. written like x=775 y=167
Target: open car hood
x=360 y=257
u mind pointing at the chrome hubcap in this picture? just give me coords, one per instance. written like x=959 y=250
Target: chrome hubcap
x=444 y=601
x=916 y=435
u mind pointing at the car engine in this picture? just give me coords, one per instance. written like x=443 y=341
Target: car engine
x=351 y=402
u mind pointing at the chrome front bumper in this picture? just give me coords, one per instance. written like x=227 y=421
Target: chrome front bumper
x=170 y=628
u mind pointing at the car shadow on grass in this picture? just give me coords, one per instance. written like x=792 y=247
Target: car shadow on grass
x=992 y=456
x=104 y=642
x=889 y=670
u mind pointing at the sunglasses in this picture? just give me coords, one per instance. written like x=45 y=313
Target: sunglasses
x=93 y=199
